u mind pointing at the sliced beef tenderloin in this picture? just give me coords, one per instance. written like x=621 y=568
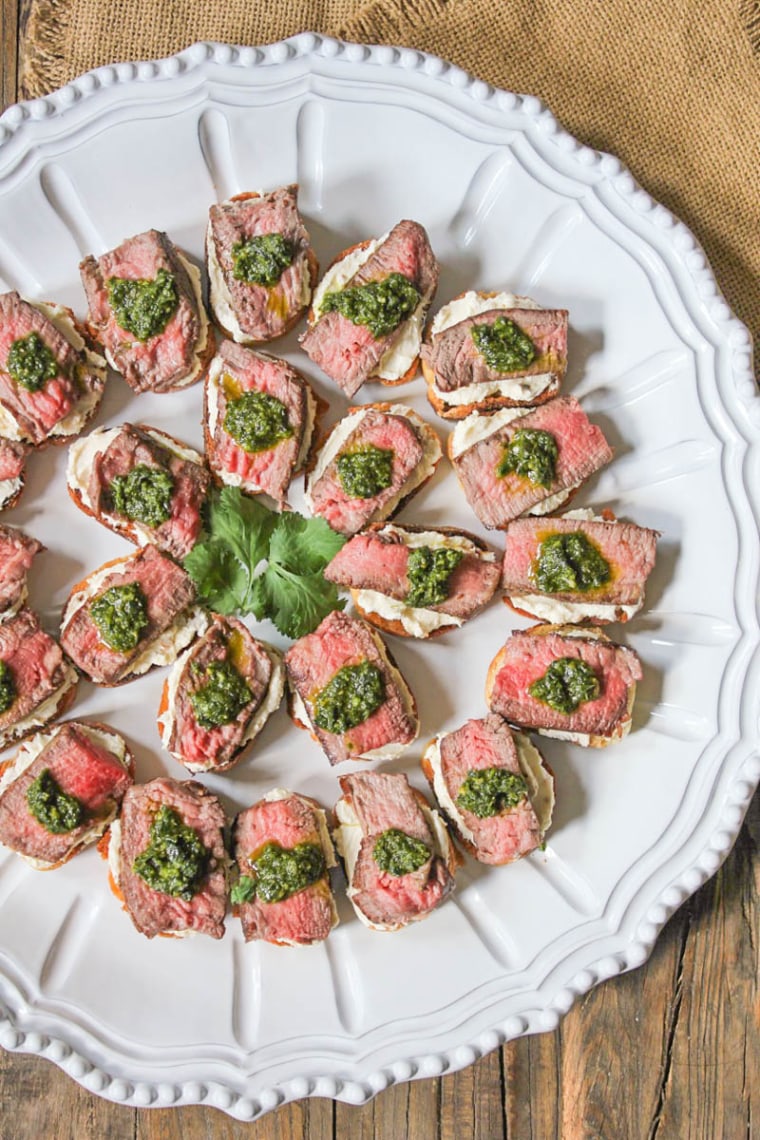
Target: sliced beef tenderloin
x=17 y=552
x=349 y=353
x=286 y=821
x=79 y=759
x=535 y=546
x=525 y=660
x=124 y=449
x=157 y=912
x=167 y=592
x=44 y=378
x=34 y=677
x=233 y=374
x=513 y=829
x=248 y=311
x=377 y=562
x=390 y=428
x=13 y=455
x=375 y=803
x=170 y=358
x=497 y=499
x=313 y=662
x=214 y=747
x=457 y=362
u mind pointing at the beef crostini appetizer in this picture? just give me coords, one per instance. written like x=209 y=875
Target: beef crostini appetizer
x=577 y=568
x=167 y=859
x=12 y=463
x=565 y=681
x=131 y=614
x=348 y=693
x=283 y=853
x=258 y=422
x=399 y=860
x=525 y=461
x=36 y=683
x=261 y=267
x=218 y=697
x=17 y=552
x=486 y=351
x=141 y=483
x=51 y=381
x=371 y=463
x=369 y=309
x=413 y=581
x=146 y=309
x=61 y=790
x=494 y=786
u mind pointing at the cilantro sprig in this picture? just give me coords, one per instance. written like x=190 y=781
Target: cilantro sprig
x=254 y=561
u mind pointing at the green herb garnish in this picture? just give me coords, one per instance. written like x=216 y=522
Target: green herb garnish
x=144 y=495
x=490 y=791
x=243 y=890
x=429 y=570
x=7 y=687
x=569 y=563
x=365 y=471
x=349 y=698
x=254 y=561
x=175 y=860
x=532 y=453
x=31 y=363
x=398 y=853
x=280 y=872
x=56 y=810
x=257 y=421
x=262 y=260
x=221 y=698
x=121 y=614
x=143 y=306
x=566 y=684
x=503 y=345
x=380 y=306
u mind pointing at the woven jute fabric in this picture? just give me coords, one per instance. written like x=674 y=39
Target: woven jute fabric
x=672 y=88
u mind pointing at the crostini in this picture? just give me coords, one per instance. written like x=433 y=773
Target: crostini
x=13 y=455
x=525 y=460
x=348 y=693
x=370 y=464
x=167 y=859
x=565 y=681
x=51 y=379
x=129 y=615
x=61 y=790
x=141 y=483
x=580 y=567
x=37 y=684
x=494 y=786
x=218 y=696
x=415 y=581
x=485 y=351
x=369 y=309
x=259 y=420
x=283 y=854
x=399 y=860
x=146 y=309
x=17 y=552
x=261 y=266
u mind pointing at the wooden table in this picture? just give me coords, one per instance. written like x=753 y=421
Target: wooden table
x=671 y=1050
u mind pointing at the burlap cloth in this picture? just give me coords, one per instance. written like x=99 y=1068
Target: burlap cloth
x=672 y=87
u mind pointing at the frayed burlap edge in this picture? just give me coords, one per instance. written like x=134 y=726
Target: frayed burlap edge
x=390 y=21
x=47 y=28
x=749 y=11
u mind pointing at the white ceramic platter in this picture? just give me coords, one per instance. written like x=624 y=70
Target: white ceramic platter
x=510 y=201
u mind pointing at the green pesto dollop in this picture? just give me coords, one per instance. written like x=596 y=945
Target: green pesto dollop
x=503 y=345
x=366 y=471
x=222 y=697
x=429 y=570
x=7 y=687
x=279 y=872
x=566 y=684
x=569 y=563
x=143 y=306
x=262 y=260
x=531 y=453
x=380 y=306
x=176 y=859
x=57 y=811
x=491 y=791
x=31 y=363
x=257 y=421
x=398 y=853
x=120 y=614
x=143 y=495
x=349 y=698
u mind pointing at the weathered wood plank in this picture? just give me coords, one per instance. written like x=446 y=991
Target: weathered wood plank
x=8 y=51
x=39 y=1100
x=472 y=1102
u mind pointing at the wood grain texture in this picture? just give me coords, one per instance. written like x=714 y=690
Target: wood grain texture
x=668 y=1052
